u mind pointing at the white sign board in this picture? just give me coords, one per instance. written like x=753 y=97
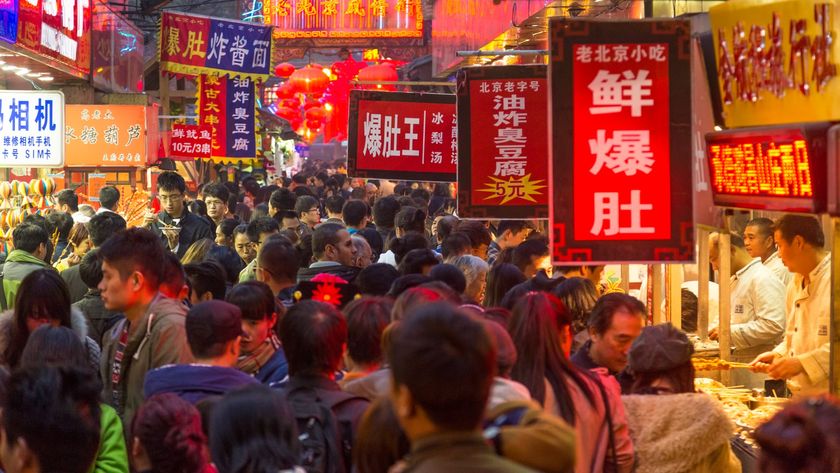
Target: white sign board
x=31 y=128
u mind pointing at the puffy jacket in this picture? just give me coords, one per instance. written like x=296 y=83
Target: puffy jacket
x=18 y=265
x=112 y=456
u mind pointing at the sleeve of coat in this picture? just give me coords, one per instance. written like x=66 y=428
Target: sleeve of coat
x=169 y=343
x=112 y=456
x=621 y=432
x=769 y=322
x=816 y=363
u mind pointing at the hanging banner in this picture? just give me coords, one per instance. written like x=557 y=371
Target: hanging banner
x=196 y=45
x=621 y=141
x=190 y=141
x=8 y=20
x=227 y=106
x=503 y=142
x=57 y=29
x=32 y=128
x=776 y=61
x=106 y=135
x=402 y=136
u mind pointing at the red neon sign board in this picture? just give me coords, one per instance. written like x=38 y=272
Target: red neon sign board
x=403 y=136
x=769 y=168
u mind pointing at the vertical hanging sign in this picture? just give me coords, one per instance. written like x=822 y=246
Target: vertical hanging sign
x=227 y=107
x=621 y=141
x=503 y=142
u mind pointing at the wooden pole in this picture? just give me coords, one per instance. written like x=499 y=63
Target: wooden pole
x=675 y=279
x=625 y=278
x=834 y=376
x=724 y=335
x=658 y=277
x=703 y=284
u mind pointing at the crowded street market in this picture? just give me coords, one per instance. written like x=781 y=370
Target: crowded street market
x=428 y=236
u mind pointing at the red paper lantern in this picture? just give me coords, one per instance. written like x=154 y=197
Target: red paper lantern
x=287 y=113
x=310 y=103
x=290 y=103
x=284 y=70
x=379 y=73
x=285 y=91
x=309 y=80
x=315 y=114
x=313 y=124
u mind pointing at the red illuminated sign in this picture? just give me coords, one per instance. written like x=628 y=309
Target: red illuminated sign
x=503 y=142
x=621 y=141
x=403 y=136
x=191 y=141
x=57 y=29
x=779 y=168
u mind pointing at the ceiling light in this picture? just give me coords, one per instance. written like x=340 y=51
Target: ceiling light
x=46 y=78
x=22 y=71
x=9 y=67
x=34 y=74
x=2 y=62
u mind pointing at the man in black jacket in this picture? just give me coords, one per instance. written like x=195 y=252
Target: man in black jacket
x=176 y=226
x=334 y=250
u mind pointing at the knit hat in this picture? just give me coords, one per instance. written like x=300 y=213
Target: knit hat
x=659 y=348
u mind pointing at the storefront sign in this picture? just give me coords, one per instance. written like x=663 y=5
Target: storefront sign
x=503 y=142
x=117 y=57
x=106 y=135
x=403 y=136
x=191 y=141
x=227 y=107
x=777 y=61
x=324 y=23
x=621 y=141
x=202 y=45
x=777 y=168
x=57 y=29
x=31 y=128
x=8 y=20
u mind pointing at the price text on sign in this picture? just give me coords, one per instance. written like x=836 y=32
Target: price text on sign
x=191 y=141
x=503 y=142
x=403 y=136
x=776 y=168
x=621 y=141
x=777 y=61
x=31 y=128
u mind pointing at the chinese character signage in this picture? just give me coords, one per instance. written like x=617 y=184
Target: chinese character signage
x=621 y=141
x=402 y=136
x=776 y=168
x=191 y=141
x=503 y=142
x=117 y=56
x=202 y=45
x=776 y=61
x=8 y=20
x=31 y=129
x=227 y=107
x=59 y=29
x=106 y=135
x=325 y=23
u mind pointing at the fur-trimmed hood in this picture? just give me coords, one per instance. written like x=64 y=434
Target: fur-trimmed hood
x=78 y=323
x=676 y=433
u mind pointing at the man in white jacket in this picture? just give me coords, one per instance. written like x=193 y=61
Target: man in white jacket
x=803 y=356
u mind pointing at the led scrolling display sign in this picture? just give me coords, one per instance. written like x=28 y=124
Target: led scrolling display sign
x=773 y=168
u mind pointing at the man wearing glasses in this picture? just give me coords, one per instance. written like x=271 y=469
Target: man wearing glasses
x=308 y=212
x=216 y=198
x=176 y=226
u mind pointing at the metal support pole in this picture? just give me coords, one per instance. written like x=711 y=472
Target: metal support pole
x=502 y=52
x=724 y=335
x=658 y=279
x=675 y=279
x=625 y=278
x=703 y=284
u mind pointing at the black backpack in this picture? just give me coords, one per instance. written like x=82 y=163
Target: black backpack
x=325 y=442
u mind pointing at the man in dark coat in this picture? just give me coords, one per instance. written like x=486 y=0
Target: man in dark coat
x=177 y=227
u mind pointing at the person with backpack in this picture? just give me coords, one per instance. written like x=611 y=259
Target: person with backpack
x=313 y=335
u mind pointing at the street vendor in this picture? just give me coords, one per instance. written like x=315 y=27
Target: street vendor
x=803 y=356
x=758 y=239
x=757 y=307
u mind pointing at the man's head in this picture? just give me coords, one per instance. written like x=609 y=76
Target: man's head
x=443 y=226
x=531 y=256
x=433 y=346
x=366 y=320
x=615 y=321
x=410 y=219
x=314 y=335
x=758 y=238
x=132 y=268
x=479 y=236
x=260 y=229
x=306 y=208
x=242 y=243
x=281 y=199
x=90 y=269
x=334 y=204
x=355 y=213
x=103 y=226
x=214 y=329
x=376 y=279
x=454 y=245
x=59 y=225
x=592 y=273
x=510 y=233
x=206 y=280
x=174 y=283
x=371 y=191
x=216 y=197
x=50 y=420
x=385 y=211
x=278 y=262
x=171 y=192
x=288 y=220
x=109 y=197
x=332 y=242
x=738 y=253
x=364 y=254
x=30 y=238
x=800 y=240
x=66 y=201
x=259 y=313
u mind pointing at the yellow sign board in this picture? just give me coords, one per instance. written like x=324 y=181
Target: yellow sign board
x=777 y=61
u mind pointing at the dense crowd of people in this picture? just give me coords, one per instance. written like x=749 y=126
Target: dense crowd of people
x=323 y=324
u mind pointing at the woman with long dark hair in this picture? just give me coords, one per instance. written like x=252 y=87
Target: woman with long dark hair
x=42 y=299
x=579 y=296
x=500 y=279
x=589 y=401
x=253 y=430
